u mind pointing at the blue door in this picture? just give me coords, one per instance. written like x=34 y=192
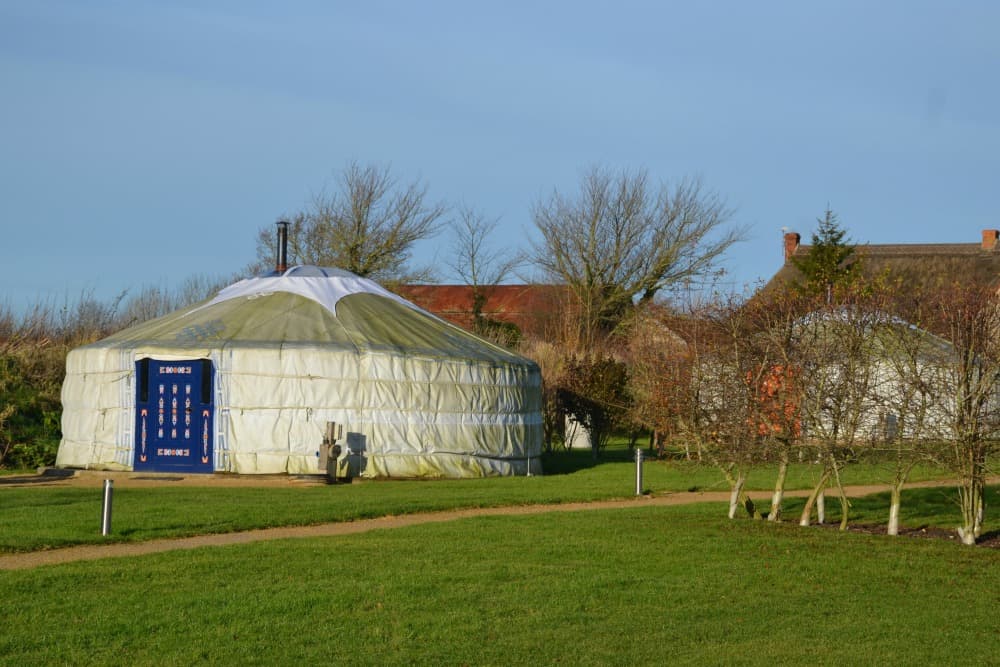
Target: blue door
x=173 y=415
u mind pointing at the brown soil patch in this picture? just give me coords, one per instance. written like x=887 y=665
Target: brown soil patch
x=989 y=540
x=96 y=479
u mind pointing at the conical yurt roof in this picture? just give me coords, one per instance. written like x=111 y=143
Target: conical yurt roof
x=312 y=306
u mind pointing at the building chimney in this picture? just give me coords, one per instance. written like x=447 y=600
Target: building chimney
x=990 y=237
x=281 y=265
x=791 y=243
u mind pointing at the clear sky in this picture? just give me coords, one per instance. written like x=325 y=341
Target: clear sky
x=144 y=142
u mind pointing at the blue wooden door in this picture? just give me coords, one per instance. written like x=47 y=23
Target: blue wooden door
x=173 y=414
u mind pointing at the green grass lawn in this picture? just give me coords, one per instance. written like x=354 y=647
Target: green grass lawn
x=644 y=586
x=35 y=518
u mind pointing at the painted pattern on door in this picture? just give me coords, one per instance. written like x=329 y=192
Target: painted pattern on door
x=173 y=413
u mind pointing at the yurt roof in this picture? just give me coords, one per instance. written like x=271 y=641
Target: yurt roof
x=313 y=306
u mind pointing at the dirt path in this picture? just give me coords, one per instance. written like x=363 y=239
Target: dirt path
x=91 y=552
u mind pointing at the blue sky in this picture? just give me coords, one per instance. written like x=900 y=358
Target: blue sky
x=144 y=142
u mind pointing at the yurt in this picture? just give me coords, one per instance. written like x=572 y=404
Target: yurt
x=251 y=381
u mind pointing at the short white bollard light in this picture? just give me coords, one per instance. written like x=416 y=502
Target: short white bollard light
x=638 y=471
x=109 y=487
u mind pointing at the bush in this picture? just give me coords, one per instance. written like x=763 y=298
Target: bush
x=31 y=456
x=595 y=391
x=30 y=380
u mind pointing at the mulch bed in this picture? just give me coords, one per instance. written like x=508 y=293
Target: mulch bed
x=990 y=540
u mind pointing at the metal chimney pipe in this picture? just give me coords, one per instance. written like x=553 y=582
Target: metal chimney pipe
x=282 y=263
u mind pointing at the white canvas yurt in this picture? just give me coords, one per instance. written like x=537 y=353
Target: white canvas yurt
x=247 y=382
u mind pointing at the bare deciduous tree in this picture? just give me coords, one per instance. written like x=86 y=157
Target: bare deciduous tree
x=659 y=376
x=479 y=264
x=723 y=380
x=622 y=239
x=367 y=226
x=772 y=330
x=842 y=368
x=472 y=258
x=911 y=422
x=968 y=317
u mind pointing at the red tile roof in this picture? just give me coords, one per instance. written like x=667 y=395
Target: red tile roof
x=531 y=307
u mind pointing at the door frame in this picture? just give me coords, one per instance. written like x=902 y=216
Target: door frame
x=185 y=411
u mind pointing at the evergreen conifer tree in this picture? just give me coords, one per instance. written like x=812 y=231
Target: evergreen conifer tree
x=828 y=265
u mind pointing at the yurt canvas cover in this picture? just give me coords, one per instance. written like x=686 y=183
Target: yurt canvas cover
x=247 y=381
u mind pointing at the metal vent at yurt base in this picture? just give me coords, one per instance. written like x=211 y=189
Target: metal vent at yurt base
x=249 y=381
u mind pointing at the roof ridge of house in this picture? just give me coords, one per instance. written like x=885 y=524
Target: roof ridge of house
x=910 y=248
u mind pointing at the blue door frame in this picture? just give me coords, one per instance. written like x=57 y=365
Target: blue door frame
x=174 y=408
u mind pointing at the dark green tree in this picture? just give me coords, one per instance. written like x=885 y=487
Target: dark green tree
x=595 y=392
x=830 y=263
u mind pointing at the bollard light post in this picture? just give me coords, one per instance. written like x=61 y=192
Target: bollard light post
x=638 y=471
x=109 y=487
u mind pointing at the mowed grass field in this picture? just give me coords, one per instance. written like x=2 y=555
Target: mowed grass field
x=43 y=518
x=643 y=585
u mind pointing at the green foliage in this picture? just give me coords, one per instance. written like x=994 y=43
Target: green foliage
x=595 y=392
x=503 y=333
x=553 y=424
x=828 y=265
x=38 y=453
x=663 y=585
x=30 y=380
x=30 y=455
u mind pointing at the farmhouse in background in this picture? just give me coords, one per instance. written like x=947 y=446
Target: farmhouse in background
x=913 y=264
x=909 y=268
